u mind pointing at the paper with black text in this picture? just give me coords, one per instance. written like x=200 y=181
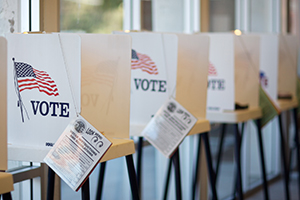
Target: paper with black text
x=168 y=127
x=77 y=152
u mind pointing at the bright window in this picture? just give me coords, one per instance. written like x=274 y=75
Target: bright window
x=91 y=16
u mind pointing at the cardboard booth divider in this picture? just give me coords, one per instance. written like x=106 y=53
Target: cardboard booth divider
x=192 y=70
x=287 y=66
x=278 y=69
x=3 y=105
x=105 y=86
x=43 y=94
x=269 y=63
x=233 y=72
x=247 y=56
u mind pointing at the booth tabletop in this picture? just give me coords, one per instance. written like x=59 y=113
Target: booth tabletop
x=284 y=105
x=235 y=116
x=201 y=126
x=120 y=147
x=6 y=183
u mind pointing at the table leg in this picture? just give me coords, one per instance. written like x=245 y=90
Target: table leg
x=211 y=173
x=50 y=187
x=100 y=181
x=284 y=159
x=132 y=178
x=262 y=159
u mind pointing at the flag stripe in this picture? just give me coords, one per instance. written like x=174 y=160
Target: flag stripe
x=42 y=86
x=41 y=90
x=26 y=80
x=28 y=86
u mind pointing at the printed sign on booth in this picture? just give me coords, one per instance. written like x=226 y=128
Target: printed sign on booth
x=221 y=73
x=41 y=99
x=153 y=76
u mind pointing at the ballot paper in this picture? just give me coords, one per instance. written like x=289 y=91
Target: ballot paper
x=168 y=127
x=77 y=152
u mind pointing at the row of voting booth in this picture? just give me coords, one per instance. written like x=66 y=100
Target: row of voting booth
x=157 y=86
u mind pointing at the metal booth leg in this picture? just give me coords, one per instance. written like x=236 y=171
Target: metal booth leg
x=6 y=196
x=176 y=163
x=262 y=159
x=235 y=178
x=85 y=190
x=139 y=165
x=132 y=178
x=211 y=173
x=284 y=159
x=238 y=162
x=295 y=113
x=100 y=181
x=167 y=179
x=50 y=187
x=196 y=169
x=212 y=176
x=223 y=131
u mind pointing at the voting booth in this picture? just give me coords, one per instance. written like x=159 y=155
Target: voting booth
x=47 y=89
x=86 y=87
x=6 y=179
x=191 y=93
x=233 y=82
x=278 y=68
x=105 y=88
x=233 y=91
x=192 y=69
x=153 y=75
x=43 y=91
x=279 y=80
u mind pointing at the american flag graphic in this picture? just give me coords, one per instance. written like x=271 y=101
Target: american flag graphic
x=143 y=62
x=263 y=79
x=29 y=78
x=212 y=70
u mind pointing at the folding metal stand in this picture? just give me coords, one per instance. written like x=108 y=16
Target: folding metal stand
x=284 y=159
x=139 y=165
x=131 y=174
x=85 y=190
x=238 y=139
x=85 y=193
x=295 y=147
x=296 y=142
x=50 y=186
x=175 y=160
x=6 y=196
x=211 y=172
